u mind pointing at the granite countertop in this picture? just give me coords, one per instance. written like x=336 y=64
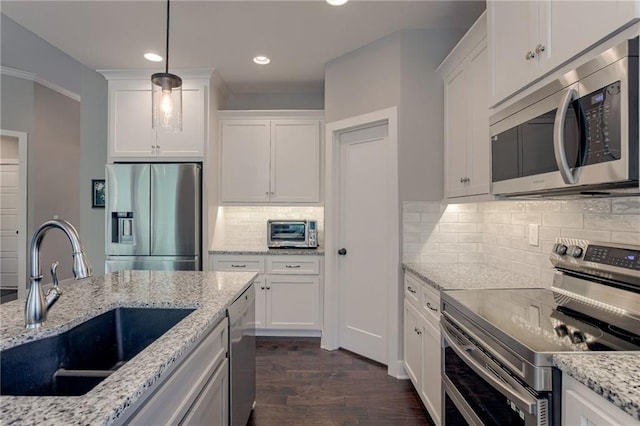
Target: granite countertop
x=613 y=375
x=263 y=250
x=471 y=275
x=210 y=292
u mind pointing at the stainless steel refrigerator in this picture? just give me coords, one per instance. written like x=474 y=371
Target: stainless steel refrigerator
x=153 y=217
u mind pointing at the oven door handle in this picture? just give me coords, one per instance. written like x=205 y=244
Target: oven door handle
x=527 y=402
x=558 y=136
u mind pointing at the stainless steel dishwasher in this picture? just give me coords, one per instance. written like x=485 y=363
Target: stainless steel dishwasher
x=242 y=357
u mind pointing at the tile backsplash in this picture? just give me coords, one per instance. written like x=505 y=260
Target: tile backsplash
x=497 y=232
x=246 y=226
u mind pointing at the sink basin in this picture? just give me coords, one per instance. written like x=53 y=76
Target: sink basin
x=74 y=362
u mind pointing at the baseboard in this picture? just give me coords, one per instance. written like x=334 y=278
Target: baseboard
x=288 y=333
x=396 y=369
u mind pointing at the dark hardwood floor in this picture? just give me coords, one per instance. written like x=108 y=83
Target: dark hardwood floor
x=300 y=384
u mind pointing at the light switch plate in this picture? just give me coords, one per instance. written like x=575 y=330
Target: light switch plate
x=533 y=235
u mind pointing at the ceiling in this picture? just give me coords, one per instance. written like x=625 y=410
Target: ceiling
x=300 y=37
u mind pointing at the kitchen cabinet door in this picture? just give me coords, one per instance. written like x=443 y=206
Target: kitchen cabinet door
x=131 y=135
x=244 y=160
x=212 y=405
x=190 y=141
x=467 y=145
x=430 y=386
x=413 y=344
x=582 y=406
x=295 y=161
x=292 y=302
x=130 y=132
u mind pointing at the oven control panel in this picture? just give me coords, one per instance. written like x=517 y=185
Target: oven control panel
x=620 y=257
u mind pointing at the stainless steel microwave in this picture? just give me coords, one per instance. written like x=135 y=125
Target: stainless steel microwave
x=577 y=135
x=292 y=233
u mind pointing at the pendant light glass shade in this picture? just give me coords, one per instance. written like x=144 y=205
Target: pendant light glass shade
x=166 y=98
x=167 y=102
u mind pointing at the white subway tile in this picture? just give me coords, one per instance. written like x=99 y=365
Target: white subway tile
x=458 y=227
x=587 y=234
x=497 y=218
x=458 y=247
x=460 y=208
x=471 y=217
x=422 y=206
x=471 y=257
x=625 y=237
x=566 y=220
x=537 y=259
x=439 y=258
x=548 y=233
x=626 y=205
x=629 y=223
x=512 y=230
x=544 y=206
x=599 y=205
x=526 y=218
x=523 y=244
x=448 y=217
x=488 y=207
x=410 y=217
x=430 y=217
x=420 y=227
x=411 y=237
x=469 y=238
x=511 y=206
x=438 y=237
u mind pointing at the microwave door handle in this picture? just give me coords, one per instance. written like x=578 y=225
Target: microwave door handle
x=558 y=137
x=523 y=401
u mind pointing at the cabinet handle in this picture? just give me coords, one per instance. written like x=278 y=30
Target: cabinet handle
x=268 y=287
x=461 y=180
x=431 y=307
x=411 y=290
x=262 y=287
x=530 y=55
x=417 y=330
x=292 y=266
x=540 y=48
x=238 y=266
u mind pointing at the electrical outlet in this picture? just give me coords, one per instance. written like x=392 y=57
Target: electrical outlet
x=533 y=235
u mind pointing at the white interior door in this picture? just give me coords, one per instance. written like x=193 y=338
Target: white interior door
x=363 y=231
x=9 y=211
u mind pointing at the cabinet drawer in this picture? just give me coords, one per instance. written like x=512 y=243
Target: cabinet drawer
x=431 y=304
x=412 y=289
x=238 y=263
x=295 y=265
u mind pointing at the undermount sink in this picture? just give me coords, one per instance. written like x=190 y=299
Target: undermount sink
x=75 y=361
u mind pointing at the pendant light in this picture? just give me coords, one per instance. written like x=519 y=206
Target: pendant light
x=166 y=89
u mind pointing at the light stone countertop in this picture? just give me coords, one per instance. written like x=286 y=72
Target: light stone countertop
x=614 y=375
x=210 y=292
x=263 y=250
x=470 y=276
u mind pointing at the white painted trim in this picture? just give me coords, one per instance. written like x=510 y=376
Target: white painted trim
x=330 y=335
x=270 y=114
x=41 y=81
x=22 y=216
x=145 y=73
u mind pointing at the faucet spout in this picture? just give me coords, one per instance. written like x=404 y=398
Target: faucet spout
x=37 y=305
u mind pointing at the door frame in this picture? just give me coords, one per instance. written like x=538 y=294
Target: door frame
x=22 y=203
x=331 y=322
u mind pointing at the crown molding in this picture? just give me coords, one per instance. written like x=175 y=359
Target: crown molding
x=41 y=81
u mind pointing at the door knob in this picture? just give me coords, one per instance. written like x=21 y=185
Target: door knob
x=342 y=251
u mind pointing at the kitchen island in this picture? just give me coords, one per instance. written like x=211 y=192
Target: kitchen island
x=210 y=293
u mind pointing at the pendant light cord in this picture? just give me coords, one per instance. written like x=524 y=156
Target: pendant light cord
x=166 y=69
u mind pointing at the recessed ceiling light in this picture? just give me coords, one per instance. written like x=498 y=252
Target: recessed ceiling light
x=261 y=60
x=337 y=2
x=153 y=57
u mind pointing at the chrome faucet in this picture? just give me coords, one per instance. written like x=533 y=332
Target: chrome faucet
x=38 y=304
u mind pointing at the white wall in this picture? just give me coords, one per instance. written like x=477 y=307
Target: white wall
x=497 y=232
x=260 y=101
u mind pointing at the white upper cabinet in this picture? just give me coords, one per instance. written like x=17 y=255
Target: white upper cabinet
x=529 y=39
x=269 y=160
x=467 y=147
x=131 y=136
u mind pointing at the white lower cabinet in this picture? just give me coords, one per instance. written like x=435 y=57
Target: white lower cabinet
x=288 y=291
x=583 y=407
x=422 y=347
x=196 y=391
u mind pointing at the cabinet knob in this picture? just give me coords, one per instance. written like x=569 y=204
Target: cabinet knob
x=342 y=251
x=461 y=180
x=540 y=48
x=530 y=55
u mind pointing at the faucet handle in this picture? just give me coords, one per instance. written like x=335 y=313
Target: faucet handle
x=54 y=273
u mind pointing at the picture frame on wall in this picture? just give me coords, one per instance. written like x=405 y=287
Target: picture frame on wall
x=98 y=190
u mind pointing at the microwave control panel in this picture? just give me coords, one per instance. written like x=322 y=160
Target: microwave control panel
x=603 y=119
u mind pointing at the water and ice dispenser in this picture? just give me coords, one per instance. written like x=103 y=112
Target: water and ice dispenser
x=122 y=227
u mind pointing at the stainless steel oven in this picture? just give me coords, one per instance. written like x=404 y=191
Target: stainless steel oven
x=578 y=134
x=498 y=344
